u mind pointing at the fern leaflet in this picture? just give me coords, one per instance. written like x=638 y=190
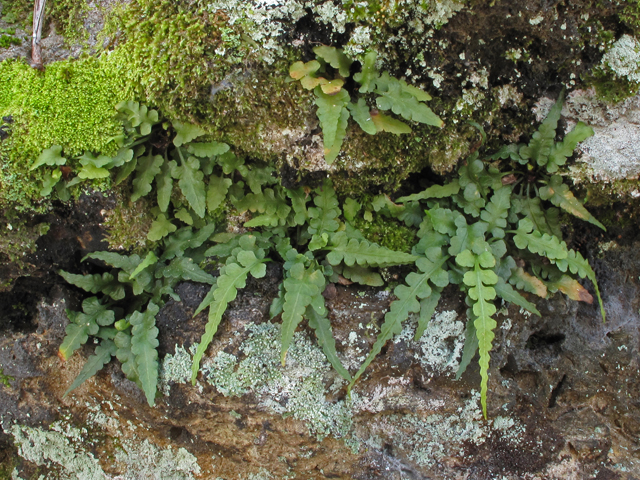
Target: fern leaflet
x=143 y=345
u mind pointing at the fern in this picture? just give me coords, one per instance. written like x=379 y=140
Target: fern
x=83 y=324
x=474 y=217
x=335 y=105
x=301 y=285
x=364 y=253
x=95 y=363
x=249 y=260
x=143 y=345
x=317 y=315
x=333 y=115
x=481 y=292
x=105 y=283
x=404 y=100
x=417 y=287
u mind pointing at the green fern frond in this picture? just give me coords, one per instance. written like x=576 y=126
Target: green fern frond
x=316 y=313
x=95 y=362
x=364 y=253
x=143 y=345
x=232 y=277
x=417 y=288
x=480 y=281
x=301 y=285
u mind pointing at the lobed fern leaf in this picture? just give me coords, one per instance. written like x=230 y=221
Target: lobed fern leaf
x=316 y=313
x=95 y=362
x=85 y=323
x=559 y=194
x=144 y=342
x=364 y=253
x=333 y=115
x=407 y=302
x=435 y=191
x=301 y=285
x=404 y=100
x=427 y=309
x=324 y=216
x=105 y=283
x=481 y=292
x=232 y=277
x=147 y=167
x=540 y=243
x=126 y=357
x=563 y=150
x=542 y=141
x=190 y=180
x=334 y=57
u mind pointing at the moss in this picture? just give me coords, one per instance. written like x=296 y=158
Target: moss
x=171 y=46
x=128 y=223
x=69 y=16
x=70 y=104
x=387 y=232
x=18 y=238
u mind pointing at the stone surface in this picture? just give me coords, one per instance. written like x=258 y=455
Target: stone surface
x=562 y=400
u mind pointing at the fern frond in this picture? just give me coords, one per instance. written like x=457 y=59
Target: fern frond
x=362 y=275
x=559 y=194
x=407 y=302
x=147 y=167
x=301 y=285
x=564 y=149
x=190 y=180
x=505 y=291
x=125 y=356
x=496 y=212
x=316 y=313
x=404 y=100
x=523 y=281
x=481 y=292
x=435 y=191
x=105 y=283
x=427 y=309
x=470 y=344
x=540 y=243
x=333 y=115
x=232 y=277
x=576 y=264
x=95 y=362
x=144 y=342
x=324 y=216
x=364 y=253
x=571 y=288
x=542 y=141
x=85 y=323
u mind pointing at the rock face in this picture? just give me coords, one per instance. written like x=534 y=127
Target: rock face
x=562 y=401
x=563 y=387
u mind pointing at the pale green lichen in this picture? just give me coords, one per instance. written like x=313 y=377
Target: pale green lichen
x=440 y=347
x=61 y=452
x=297 y=389
x=624 y=58
x=64 y=450
x=175 y=368
x=145 y=460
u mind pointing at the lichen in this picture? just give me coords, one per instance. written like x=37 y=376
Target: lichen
x=145 y=460
x=58 y=451
x=440 y=347
x=175 y=368
x=297 y=389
